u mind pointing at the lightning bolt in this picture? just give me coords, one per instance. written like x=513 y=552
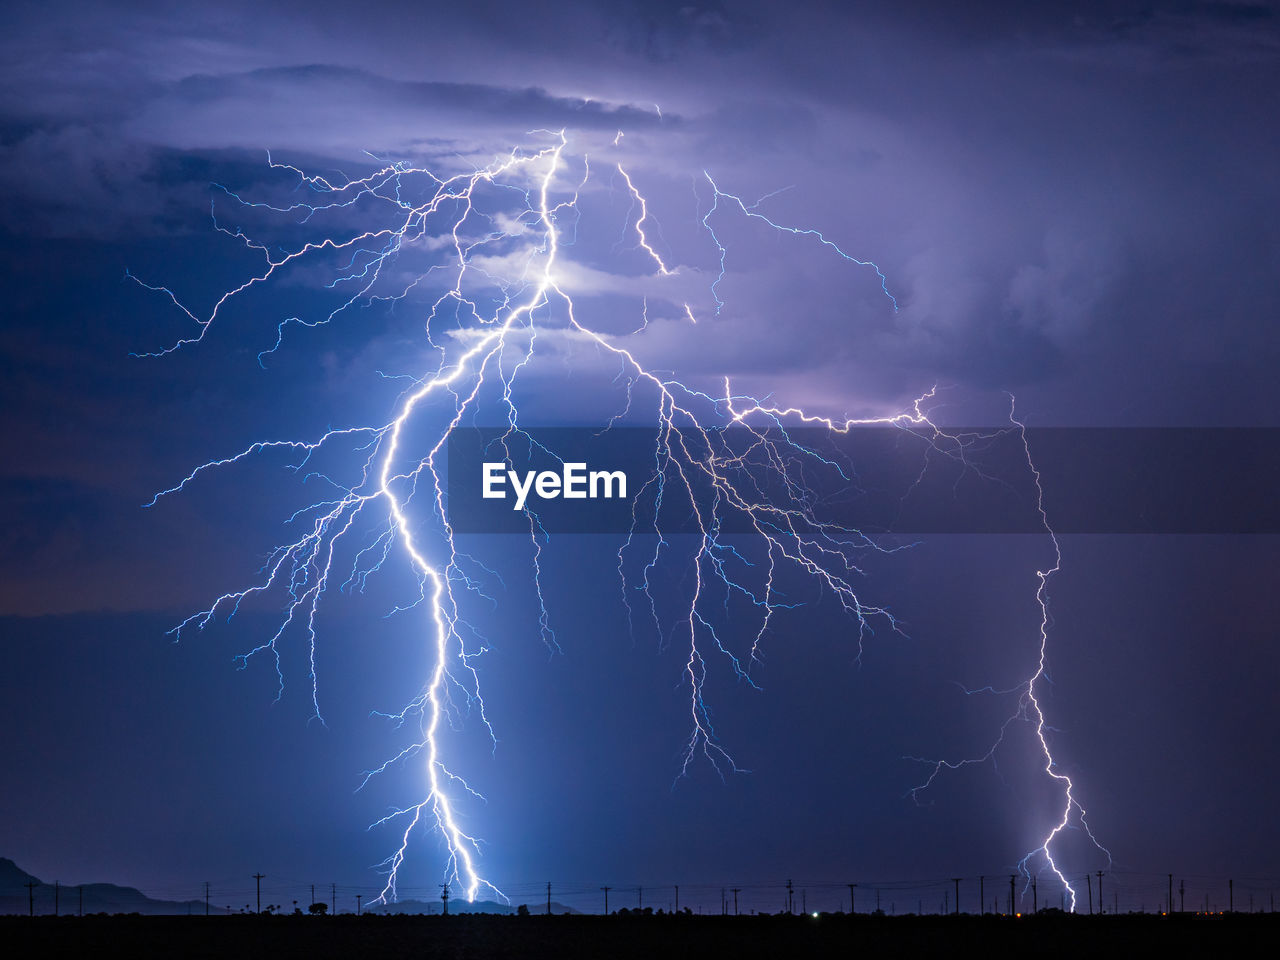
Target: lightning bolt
x=491 y=238
x=1029 y=709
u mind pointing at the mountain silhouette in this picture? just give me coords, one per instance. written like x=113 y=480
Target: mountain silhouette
x=98 y=897
x=112 y=898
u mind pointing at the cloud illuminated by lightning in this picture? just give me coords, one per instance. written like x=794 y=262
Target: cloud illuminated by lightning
x=489 y=241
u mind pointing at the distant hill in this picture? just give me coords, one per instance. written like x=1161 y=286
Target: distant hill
x=98 y=897
x=110 y=898
x=13 y=876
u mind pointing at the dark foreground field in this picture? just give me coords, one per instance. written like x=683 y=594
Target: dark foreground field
x=660 y=938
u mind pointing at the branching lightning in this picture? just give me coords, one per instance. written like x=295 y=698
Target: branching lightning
x=1029 y=709
x=493 y=239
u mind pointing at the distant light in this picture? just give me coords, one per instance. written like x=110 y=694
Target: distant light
x=815 y=914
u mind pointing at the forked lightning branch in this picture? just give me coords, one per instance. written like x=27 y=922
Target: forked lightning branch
x=478 y=251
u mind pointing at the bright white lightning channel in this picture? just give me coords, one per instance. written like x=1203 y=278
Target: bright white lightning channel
x=497 y=264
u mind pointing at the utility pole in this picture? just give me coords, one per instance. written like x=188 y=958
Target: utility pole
x=791 y=899
x=1231 y=897
x=31 y=898
x=606 y=899
x=724 y=902
x=358 y=896
x=1182 y=897
x=956 y=881
x=736 y=891
x=333 y=898
x=1102 y=904
x=1012 y=878
x=982 y=905
x=1035 y=900
x=851 y=900
x=804 y=901
x=206 y=896
x=80 y=890
x=444 y=898
x=1089 y=882
x=639 y=898
x=258 y=878
x=1171 y=894
x=313 y=894
x=57 y=889
x=677 y=898
x=548 y=898
x=877 y=900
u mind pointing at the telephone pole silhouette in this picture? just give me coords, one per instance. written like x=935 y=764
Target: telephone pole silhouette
x=736 y=891
x=791 y=899
x=1182 y=897
x=57 y=889
x=333 y=898
x=358 y=896
x=982 y=904
x=206 y=897
x=31 y=897
x=80 y=890
x=1231 y=896
x=1088 y=880
x=1035 y=900
x=1102 y=904
x=258 y=879
x=548 y=898
x=677 y=898
x=639 y=898
x=444 y=899
x=1171 y=895
x=956 y=881
x=851 y=907
x=1012 y=878
x=606 y=899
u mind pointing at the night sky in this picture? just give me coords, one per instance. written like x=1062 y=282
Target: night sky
x=1073 y=203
